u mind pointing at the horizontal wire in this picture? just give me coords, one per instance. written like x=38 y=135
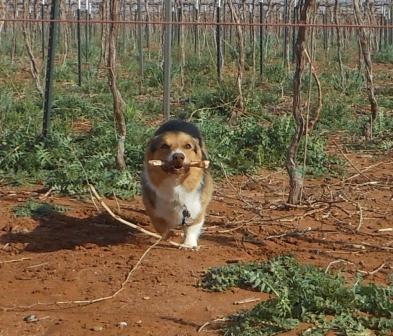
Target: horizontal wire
x=192 y=23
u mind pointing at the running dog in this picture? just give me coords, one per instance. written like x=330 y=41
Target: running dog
x=177 y=192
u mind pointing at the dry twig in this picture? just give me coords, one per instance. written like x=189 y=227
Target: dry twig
x=386 y=230
x=360 y=217
x=364 y=170
x=336 y=262
x=121 y=220
x=374 y=271
x=248 y=300
x=350 y=161
x=14 y=260
x=220 y=319
x=294 y=233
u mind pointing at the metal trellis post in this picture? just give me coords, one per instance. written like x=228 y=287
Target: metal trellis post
x=218 y=41
x=261 y=37
x=140 y=43
x=43 y=29
x=53 y=31
x=167 y=58
x=86 y=31
x=78 y=14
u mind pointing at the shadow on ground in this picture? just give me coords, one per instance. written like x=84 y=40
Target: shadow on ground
x=58 y=231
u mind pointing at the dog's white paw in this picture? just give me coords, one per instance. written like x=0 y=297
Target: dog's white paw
x=189 y=247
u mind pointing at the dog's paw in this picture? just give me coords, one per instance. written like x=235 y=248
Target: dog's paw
x=189 y=247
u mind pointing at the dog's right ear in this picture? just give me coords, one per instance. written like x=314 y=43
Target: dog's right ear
x=153 y=143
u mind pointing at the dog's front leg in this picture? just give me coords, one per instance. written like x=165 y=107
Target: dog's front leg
x=192 y=233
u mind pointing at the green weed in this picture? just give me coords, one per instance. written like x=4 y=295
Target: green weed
x=33 y=208
x=384 y=56
x=303 y=293
x=259 y=142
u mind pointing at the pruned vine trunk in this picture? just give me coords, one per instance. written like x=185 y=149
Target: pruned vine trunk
x=34 y=69
x=104 y=36
x=2 y=15
x=240 y=62
x=339 y=44
x=181 y=48
x=117 y=99
x=296 y=177
x=368 y=66
x=65 y=33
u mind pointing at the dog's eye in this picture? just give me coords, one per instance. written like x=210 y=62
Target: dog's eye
x=164 y=146
x=188 y=146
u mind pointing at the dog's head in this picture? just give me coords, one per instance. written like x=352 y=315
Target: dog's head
x=176 y=143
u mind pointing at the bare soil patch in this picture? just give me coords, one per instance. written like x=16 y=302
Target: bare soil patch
x=83 y=254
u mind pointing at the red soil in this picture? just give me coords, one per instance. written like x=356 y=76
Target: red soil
x=83 y=254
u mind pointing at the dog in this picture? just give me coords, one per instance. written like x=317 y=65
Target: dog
x=175 y=194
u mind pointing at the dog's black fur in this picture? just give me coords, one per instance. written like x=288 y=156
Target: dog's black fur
x=177 y=125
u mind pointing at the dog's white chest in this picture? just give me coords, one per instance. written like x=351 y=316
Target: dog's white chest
x=189 y=200
x=173 y=200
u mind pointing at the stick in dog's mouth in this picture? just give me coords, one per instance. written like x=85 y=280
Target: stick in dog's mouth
x=197 y=164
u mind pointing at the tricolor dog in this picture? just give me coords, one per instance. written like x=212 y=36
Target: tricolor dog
x=176 y=193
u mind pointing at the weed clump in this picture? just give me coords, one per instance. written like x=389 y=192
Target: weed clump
x=303 y=293
x=260 y=142
x=33 y=208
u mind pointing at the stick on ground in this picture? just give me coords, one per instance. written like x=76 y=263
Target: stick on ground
x=14 y=260
x=121 y=220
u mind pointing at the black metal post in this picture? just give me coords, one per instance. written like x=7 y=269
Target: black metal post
x=179 y=19
x=325 y=31
x=218 y=41
x=123 y=28
x=225 y=28
x=196 y=31
x=385 y=38
x=53 y=31
x=285 y=46
x=167 y=57
x=78 y=27
x=140 y=43
x=391 y=23
x=294 y=20
x=86 y=34
x=261 y=38
x=43 y=30
x=380 y=32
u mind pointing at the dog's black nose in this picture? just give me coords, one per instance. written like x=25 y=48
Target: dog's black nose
x=178 y=157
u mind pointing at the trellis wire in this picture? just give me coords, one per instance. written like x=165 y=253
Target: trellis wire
x=206 y=23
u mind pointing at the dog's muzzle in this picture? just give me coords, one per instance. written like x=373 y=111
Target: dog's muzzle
x=176 y=165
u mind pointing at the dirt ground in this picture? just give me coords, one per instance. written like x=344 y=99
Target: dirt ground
x=83 y=254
